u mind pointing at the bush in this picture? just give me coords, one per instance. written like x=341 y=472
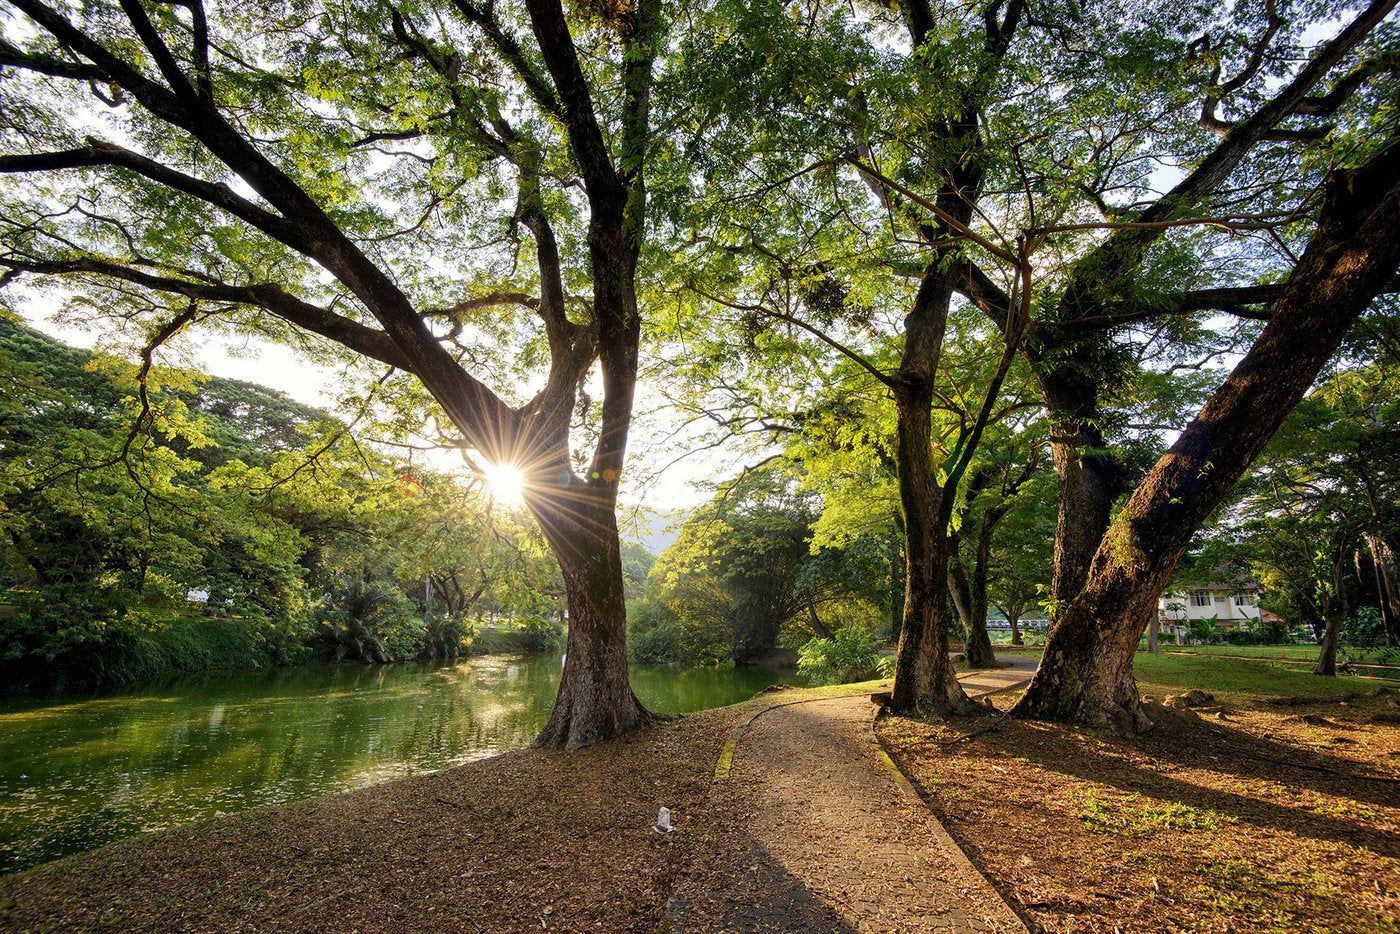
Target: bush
x=444 y=637
x=137 y=645
x=853 y=655
x=539 y=636
x=658 y=635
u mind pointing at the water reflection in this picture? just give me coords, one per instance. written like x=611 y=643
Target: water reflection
x=79 y=774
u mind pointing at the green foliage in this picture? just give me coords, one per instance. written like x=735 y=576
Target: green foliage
x=112 y=529
x=850 y=655
x=1364 y=628
x=366 y=621
x=1203 y=630
x=444 y=637
x=743 y=569
x=1323 y=490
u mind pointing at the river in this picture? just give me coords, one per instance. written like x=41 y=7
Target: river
x=77 y=774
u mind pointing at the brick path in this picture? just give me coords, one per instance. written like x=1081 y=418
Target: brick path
x=812 y=830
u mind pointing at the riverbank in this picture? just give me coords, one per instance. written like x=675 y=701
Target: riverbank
x=153 y=644
x=527 y=840
x=1248 y=814
x=87 y=771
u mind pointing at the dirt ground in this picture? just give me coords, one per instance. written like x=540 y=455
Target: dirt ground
x=1266 y=818
x=1279 y=817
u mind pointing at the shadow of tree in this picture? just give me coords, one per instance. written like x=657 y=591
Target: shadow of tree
x=754 y=892
x=1145 y=767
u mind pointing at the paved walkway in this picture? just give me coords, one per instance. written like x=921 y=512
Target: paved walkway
x=813 y=830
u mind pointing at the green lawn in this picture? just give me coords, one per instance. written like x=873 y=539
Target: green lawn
x=1296 y=652
x=1202 y=667
x=1237 y=681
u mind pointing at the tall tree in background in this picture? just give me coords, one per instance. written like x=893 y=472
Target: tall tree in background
x=1005 y=467
x=1152 y=262
x=1086 y=670
x=381 y=177
x=1323 y=493
x=835 y=251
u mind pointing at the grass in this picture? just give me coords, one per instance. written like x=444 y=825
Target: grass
x=1199 y=668
x=1299 y=653
x=1135 y=816
x=1236 y=681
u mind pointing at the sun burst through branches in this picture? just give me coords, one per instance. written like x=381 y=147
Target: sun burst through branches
x=506 y=483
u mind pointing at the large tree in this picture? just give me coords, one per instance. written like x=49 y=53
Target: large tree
x=380 y=177
x=1150 y=261
x=1086 y=673
x=846 y=168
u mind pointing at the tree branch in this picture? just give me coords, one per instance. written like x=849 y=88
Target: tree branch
x=268 y=296
x=576 y=102
x=99 y=153
x=506 y=44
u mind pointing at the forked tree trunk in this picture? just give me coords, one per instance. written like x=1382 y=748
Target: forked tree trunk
x=595 y=699
x=1086 y=674
x=1089 y=479
x=924 y=679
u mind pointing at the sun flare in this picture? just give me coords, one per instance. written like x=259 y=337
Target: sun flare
x=506 y=483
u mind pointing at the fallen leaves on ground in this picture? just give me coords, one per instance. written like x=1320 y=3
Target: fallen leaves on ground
x=1233 y=820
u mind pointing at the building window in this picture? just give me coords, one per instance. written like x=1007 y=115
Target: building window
x=1244 y=599
x=1200 y=598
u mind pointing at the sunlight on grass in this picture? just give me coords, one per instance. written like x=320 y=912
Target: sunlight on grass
x=1223 y=676
x=1118 y=815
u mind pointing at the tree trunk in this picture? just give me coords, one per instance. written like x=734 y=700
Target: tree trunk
x=1331 y=635
x=1385 y=587
x=978 y=643
x=1090 y=480
x=1086 y=674
x=924 y=681
x=595 y=700
x=898 y=582
x=1152 y=633
x=1015 y=630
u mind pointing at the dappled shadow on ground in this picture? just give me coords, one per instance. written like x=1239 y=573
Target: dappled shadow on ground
x=1171 y=767
x=1256 y=821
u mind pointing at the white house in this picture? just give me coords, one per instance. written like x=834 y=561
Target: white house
x=1233 y=605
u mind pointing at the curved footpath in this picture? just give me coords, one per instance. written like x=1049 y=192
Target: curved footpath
x=815 y=830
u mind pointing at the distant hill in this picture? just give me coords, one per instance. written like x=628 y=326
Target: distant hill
x=650 y=527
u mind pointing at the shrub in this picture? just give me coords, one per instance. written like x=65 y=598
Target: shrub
x=444 y=637
x=853 y=655
x=364 y=620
